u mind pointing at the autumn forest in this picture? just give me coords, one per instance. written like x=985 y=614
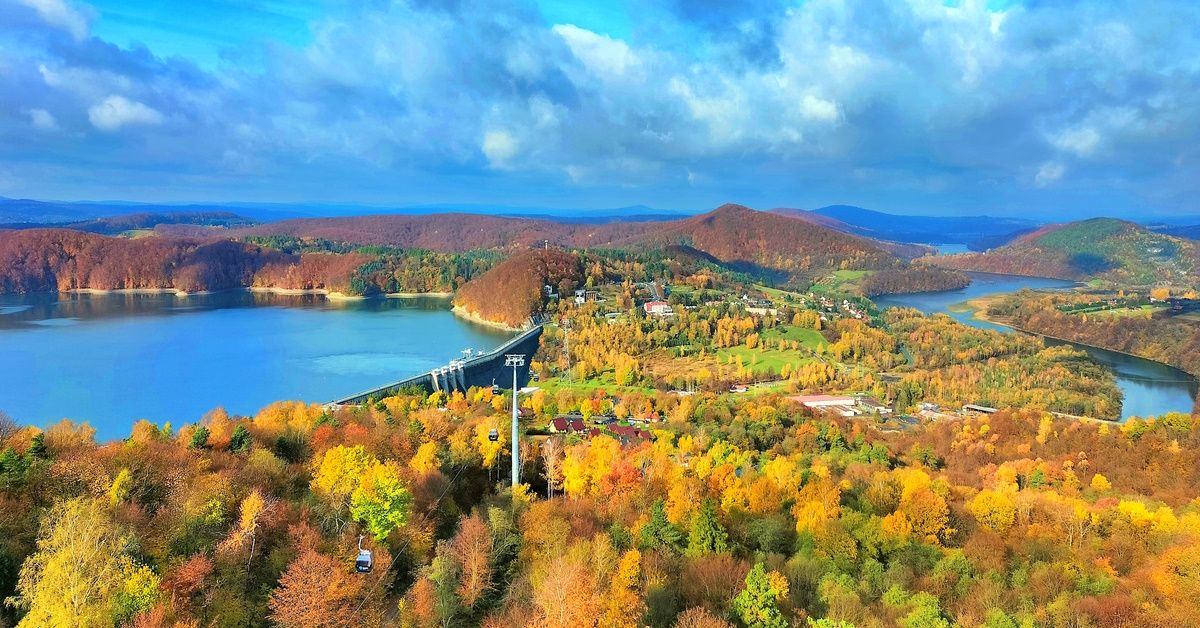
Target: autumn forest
x=720 y=431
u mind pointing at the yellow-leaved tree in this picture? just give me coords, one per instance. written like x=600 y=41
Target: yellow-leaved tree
x=623 y=606
x=81 y=573
x=337 y=474
x=244 y=537
x=995 y=510
x=426 y=459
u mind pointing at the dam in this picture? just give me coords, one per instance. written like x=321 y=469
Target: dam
x=486 y=369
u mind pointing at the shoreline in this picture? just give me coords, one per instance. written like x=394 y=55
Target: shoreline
x=332 y=295
x=473 y=317
x=980 y=314
x=103 y=291
x=417 y=295
x=923 y=260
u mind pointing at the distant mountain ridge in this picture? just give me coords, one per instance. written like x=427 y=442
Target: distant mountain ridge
x=1100 y=248
x=112 y=225
x=1190 y=232
x=976 y=232
x=13 y=211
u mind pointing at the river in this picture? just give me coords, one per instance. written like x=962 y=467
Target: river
x=1149 y=388
x=115 y=358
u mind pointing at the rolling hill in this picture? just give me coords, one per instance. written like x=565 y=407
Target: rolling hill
x=771 y=246
x=976 y=232
x=1101 y=248
x=751 y=240
x=512 y=291
x=733 y=234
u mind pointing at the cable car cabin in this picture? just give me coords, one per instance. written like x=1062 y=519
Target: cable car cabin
x=365 y=561
x=493 y=436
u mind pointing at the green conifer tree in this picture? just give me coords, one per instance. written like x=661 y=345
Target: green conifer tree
x=706 y=535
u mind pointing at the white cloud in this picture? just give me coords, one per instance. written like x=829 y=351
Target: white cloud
x=1082 y=141
x=52 y=78
x=975 y=103
x=601 y=54
x=499 y=147
x=1049 y=173
x=115 y=112
x=819 y=109
x=59 y=14
x=43 y=120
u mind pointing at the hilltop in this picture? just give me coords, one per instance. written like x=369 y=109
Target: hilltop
x=747 y=239
x=1100 y=248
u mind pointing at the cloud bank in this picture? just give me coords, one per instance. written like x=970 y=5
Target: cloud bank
x=1069 y=107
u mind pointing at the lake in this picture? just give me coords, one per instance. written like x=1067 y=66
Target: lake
x=1149 y=388
x=112 y=359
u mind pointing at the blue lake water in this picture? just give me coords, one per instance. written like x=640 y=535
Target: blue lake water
x=1149 y=388
x=112 y=359
x=951 y=249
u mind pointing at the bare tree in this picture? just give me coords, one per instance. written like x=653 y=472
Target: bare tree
x=8 y=426
x=552 y=461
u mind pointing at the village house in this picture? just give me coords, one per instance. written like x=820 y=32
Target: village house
x=658 y=308
x=627 y=434
x=841 y=405
x=844 y=405
x=563 y=425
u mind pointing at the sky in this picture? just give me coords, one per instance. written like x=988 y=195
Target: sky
x=1044 y=108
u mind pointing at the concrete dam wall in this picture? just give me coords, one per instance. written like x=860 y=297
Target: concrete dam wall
x=482 y=370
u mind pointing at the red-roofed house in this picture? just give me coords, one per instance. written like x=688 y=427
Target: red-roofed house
x=628 y=434
x=658 y=308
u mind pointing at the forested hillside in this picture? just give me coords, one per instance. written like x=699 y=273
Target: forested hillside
x=912 y=279
x=1101 y=248
x=514 y=290
x=743 y=237
x=39 y=260
x=62 y=259
x=436 y=232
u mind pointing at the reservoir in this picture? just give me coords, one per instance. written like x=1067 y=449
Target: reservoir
x=114 y=358
x=1149 y=388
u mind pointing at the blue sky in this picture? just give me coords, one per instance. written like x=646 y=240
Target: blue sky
x=1048 y=109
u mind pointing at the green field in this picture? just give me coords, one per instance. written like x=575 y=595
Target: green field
x=769 y=361
x=840 y=282
x=769 y=357
x=786 y=296
x=1128 y=311
x=605 y=381
x=808 y=338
